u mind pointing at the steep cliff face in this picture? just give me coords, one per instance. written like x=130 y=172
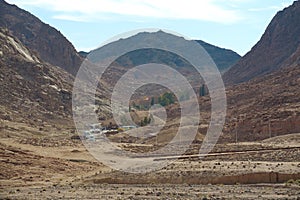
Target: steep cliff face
x=279 y=43
x=46 y=41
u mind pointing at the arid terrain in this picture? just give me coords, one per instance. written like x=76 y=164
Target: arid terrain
x=58 y=167
x=43 y=155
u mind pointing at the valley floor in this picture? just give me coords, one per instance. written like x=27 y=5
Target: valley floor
x=155 y=191
x=60 y=168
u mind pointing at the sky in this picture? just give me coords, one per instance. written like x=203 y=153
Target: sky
x=231 y=24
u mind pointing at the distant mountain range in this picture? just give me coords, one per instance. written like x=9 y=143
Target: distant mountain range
x=223 y=58
x=278 y=47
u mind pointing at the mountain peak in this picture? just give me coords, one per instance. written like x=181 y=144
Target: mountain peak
x=223 y=58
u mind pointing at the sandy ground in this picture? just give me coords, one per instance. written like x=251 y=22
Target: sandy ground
x=60 y=168
x=155 y=191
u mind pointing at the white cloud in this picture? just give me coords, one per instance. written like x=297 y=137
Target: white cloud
x=275 y=7
x=263 y=9
x=207 y=10
x=71 y=18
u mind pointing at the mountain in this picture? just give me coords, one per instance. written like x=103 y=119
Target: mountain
x=83 y=54
x=263 y=92
x=277 y=47
x=50 y=45
x=32 y=92
x=224 y=58
x=36 y=96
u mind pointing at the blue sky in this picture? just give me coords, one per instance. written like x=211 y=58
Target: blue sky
x=232 y=24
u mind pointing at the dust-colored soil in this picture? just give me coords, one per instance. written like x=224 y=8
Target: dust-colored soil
x=41 y=167
x=155 y=191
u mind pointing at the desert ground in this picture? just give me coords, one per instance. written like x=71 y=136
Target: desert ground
x=59 y=167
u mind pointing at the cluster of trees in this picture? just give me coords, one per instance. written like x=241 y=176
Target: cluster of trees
x=166 y=99
x=169 y=98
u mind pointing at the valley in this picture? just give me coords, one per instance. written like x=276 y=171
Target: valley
x=45 y=154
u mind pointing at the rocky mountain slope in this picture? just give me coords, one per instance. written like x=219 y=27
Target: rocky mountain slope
x=265 y=107
x=279 y=44
x=32 y=92
x=50 y=45
x=224 y=58
x=34 y=95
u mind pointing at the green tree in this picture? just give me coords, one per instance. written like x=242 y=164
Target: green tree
x=203 y=91
x=152 y=101
x=166 y=99
x=145 y=121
